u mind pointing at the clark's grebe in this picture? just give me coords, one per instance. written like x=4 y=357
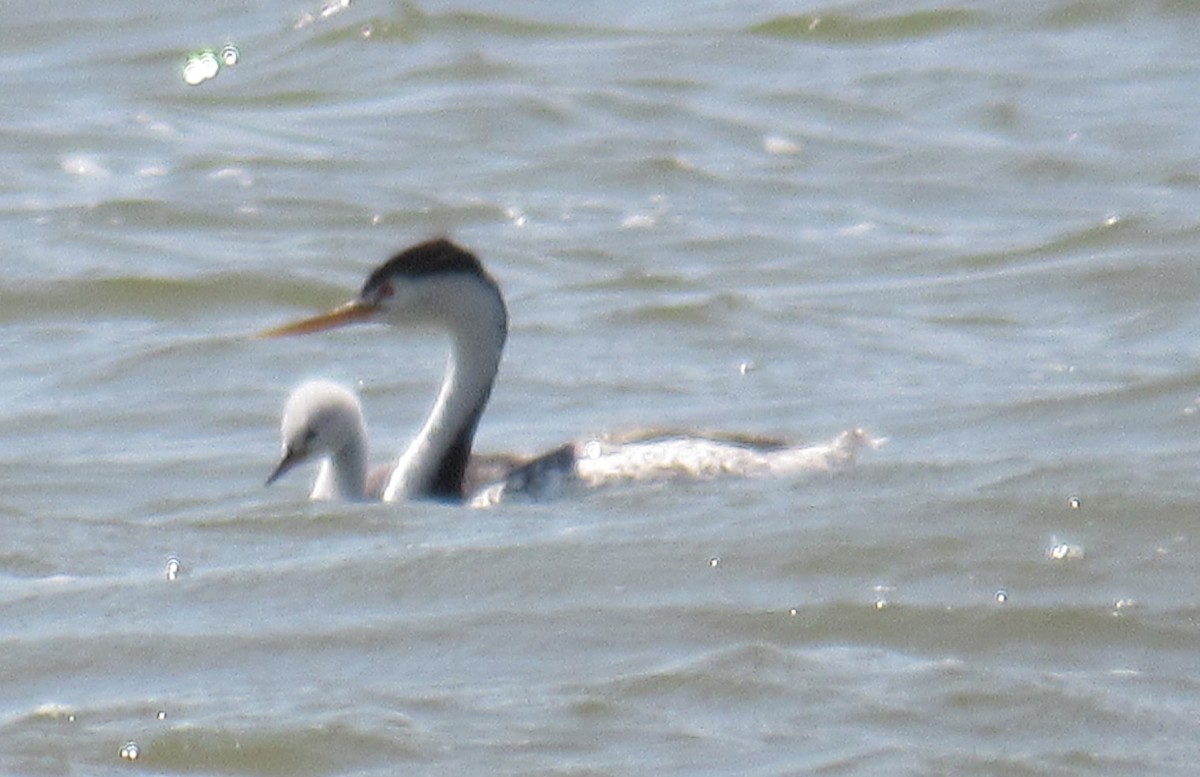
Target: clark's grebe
x=438 y=283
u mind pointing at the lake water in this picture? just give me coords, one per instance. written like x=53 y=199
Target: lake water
x=970 y=228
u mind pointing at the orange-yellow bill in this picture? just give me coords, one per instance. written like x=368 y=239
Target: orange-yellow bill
x=350 y=313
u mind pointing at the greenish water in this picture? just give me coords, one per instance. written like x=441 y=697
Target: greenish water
x=970 y=229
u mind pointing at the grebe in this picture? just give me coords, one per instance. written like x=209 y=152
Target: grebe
x=440 y=284
x=324 y=421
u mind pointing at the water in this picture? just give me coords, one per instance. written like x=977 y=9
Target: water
x=968 y=228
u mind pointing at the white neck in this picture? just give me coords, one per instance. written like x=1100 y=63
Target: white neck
x=343 y=475
x=433 y=465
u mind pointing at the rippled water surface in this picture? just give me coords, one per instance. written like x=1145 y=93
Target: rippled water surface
x=969 y=228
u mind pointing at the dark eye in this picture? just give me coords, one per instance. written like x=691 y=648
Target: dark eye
x=309 y=436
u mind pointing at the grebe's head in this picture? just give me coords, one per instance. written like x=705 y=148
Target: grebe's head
x=319 y=419
x=435 y=282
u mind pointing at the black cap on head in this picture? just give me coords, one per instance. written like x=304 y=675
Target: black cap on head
x=433 y=257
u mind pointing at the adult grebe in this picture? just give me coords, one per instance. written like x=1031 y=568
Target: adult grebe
x=438 y=283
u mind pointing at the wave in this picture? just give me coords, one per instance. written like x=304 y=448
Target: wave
x=135 y=296
x=847 y=28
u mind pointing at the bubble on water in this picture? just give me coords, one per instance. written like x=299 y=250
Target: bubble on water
x=1074 y=502
x=780 y=146
x=881 y=604
x=1065 y=551
x=238 y=175
x=54 y=711
x=161 y=715
x=515 y=215
x=174 y=569
x=130 y=751
x=332 y=7
x=714 y=562
x=204 y=64
x=1001 y=596
x=200 y=67
x=83 y=166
